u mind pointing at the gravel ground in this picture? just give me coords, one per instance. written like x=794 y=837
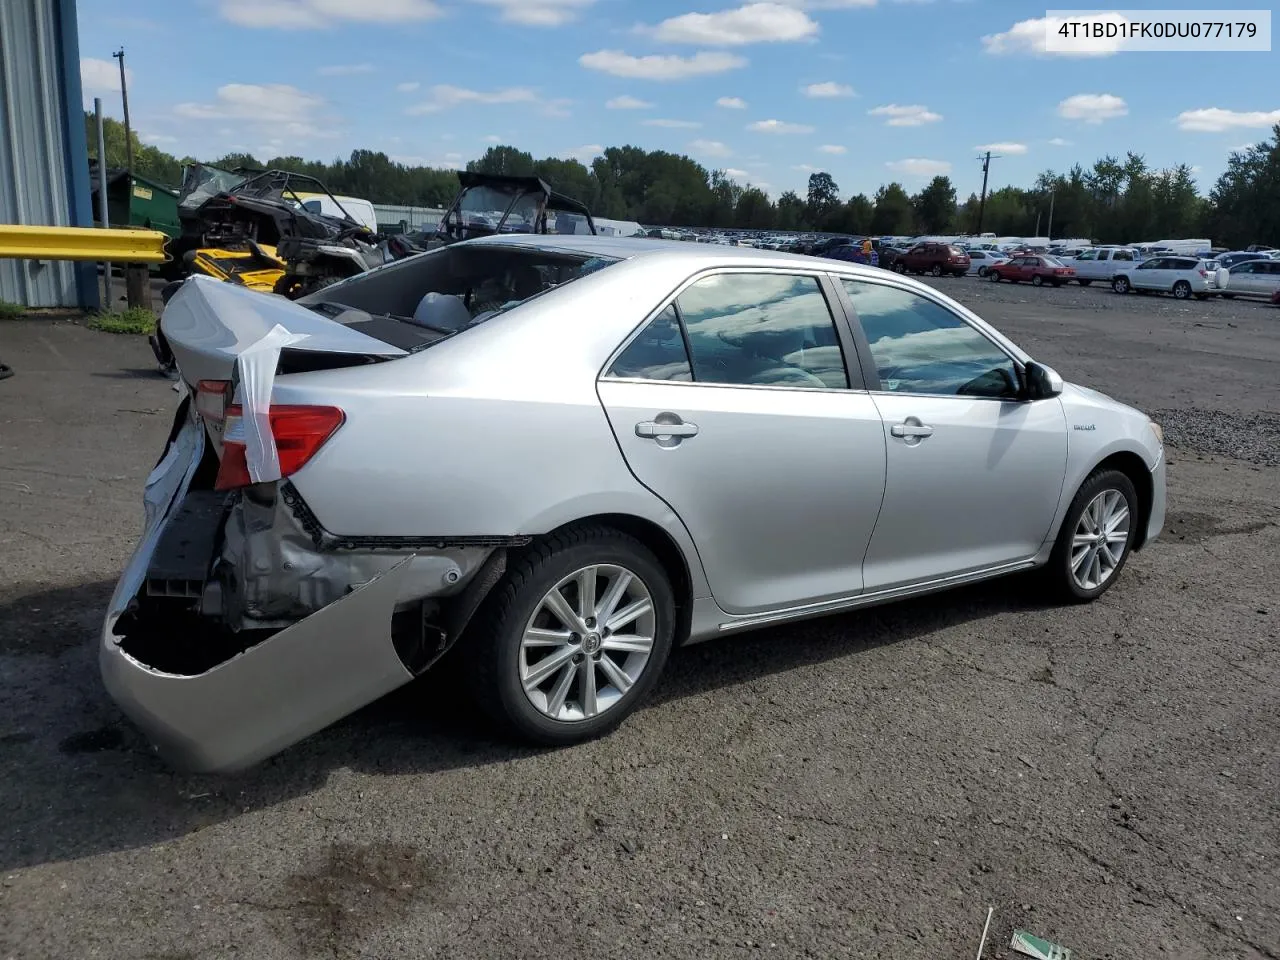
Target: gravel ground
x=864 y=785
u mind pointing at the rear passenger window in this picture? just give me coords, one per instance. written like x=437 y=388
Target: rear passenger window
x=1123 y=255
x=762 y=329
x=658 y=353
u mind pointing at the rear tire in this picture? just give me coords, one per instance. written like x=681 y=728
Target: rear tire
x=580 y=696
x=1120 y=285
x=993 y=276
x=1228 y=296
x=937 y=270
x=1037 y=280
x=1182 y=290
x=1096 y=538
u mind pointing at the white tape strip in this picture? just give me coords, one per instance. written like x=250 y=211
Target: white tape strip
x=257 y=366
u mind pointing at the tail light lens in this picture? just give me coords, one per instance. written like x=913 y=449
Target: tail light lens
x=211 y=399
x=1204 y=272
x=299 y=432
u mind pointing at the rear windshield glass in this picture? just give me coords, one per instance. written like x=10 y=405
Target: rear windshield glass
x=447 y=290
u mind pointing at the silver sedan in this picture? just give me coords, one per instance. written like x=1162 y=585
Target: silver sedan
x=566 y=455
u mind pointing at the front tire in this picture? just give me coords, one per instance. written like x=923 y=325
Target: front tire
x=1120 y=284
x=1096 y=538
x=993 y=276
x=937 y=270
x=573 y=638
x=1037 y=280
x=1182 y=290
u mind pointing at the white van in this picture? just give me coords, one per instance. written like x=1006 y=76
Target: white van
x=361 y=211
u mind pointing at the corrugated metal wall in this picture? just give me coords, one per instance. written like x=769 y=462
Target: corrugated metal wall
x=39 y=66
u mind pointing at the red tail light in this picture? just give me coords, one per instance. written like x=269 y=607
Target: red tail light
x=1204 y=272
x=299 y=432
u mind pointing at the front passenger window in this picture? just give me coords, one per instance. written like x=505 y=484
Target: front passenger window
x=921 y=347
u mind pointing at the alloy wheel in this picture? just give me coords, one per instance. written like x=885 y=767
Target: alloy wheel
x=588 y=642
x=1100 y=540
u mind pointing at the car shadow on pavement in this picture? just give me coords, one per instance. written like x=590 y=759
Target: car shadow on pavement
x=77 y=779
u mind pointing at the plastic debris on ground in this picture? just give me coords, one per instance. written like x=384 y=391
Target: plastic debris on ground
x=1037 y=947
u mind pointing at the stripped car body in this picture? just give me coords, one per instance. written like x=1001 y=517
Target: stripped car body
x=350 y=476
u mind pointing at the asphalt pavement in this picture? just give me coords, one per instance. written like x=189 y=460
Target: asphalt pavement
x=860 y=786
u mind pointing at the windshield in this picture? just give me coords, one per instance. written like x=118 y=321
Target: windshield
x=1052 y=262
x=483 y=207
x=201 y=182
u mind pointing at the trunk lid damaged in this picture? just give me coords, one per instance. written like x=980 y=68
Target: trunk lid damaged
x=208 y=324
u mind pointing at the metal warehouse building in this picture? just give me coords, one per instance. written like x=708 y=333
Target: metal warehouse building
x=44 y=167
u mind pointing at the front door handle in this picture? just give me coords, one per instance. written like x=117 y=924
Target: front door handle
x=911 y=429
x=667 y=429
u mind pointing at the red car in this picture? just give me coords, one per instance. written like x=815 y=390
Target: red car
x=934 y=258
x=1038 y=270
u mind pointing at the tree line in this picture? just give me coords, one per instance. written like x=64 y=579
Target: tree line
x=1115 y=200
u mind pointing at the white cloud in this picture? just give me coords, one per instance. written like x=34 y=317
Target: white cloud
x=806 y=168
x=659 y=67
x=828 y=89
x=628 y=103
x=1219 y=120
x=346 y=69
x=752 y=23
x=1031 y=36
x=493 y=138
x=710 y=148
x=1008 y=149
x=732 y=103
x=913 y=115
x=538 y=13
x=917 y=167
x=584 y=154
x=557 y=108
x=832 y=148
x=286 y=110
x=102 y=76
x=1059 y=142
x=157 y=139
x=779 y=126
x=735 y=172
x=444 y=97
x=323 y=14
x=672 y=124
x=1242 y=148
x=408 y=86
x=1092 y=107
x=830 y=4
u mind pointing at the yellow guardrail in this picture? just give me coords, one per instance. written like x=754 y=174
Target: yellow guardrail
x=81 y=243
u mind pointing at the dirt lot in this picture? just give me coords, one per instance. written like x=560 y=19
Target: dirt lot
x=863 y=786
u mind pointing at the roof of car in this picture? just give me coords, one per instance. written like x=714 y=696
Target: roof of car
x=630 y=248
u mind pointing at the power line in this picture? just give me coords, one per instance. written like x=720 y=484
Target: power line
x=986 y=159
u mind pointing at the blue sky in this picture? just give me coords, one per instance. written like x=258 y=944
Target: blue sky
x=869 y=90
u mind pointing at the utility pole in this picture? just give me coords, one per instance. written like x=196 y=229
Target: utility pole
x=102 y=199
x=128 y=135
x=982 y=202
x=1052 y=196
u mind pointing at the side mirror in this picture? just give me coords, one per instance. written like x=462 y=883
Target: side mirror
x=1041 y=382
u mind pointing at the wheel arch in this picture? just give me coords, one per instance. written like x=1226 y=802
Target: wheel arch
x=1139 y=474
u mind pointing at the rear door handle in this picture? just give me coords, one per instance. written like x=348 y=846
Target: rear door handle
x=917 y=430
x=652 y=429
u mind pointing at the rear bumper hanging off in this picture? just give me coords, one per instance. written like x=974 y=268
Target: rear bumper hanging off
x=293 y=684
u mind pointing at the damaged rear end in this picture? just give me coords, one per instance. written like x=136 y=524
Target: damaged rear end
x=241 y=625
